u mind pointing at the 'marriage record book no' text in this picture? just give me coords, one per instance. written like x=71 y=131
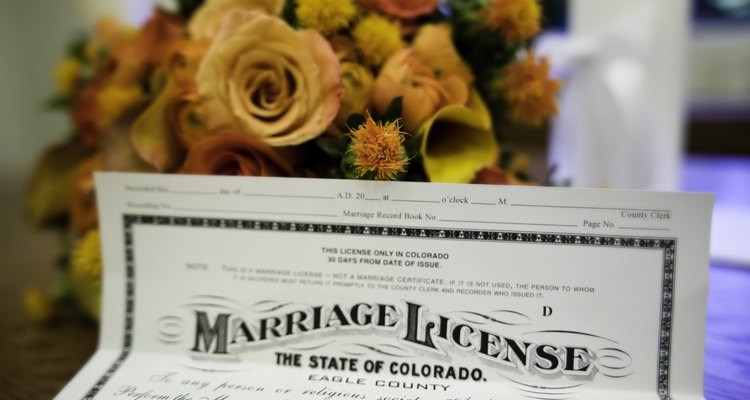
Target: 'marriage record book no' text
x=227 y=288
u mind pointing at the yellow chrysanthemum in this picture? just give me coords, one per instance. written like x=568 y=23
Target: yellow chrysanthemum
x=67 y=73
x=38 y=305
x=520 y=164
x=326 y=16
x=529 y=90
x=113 y=100
x=86 y=272
x=517 y=20
x=86 y=260
x=377 y=38
x=378 y=149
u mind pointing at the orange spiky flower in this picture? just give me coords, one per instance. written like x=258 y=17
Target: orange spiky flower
x=517 y=20
x=378 y=149
x=529 y=90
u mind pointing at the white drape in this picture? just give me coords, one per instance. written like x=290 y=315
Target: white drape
x=622 y=109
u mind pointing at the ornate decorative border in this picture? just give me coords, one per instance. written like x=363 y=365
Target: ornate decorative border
x=668 y=245
x=129 y=308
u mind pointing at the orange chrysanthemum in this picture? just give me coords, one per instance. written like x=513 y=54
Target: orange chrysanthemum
x=529 y=90
x=517 y=20
x=378 y=149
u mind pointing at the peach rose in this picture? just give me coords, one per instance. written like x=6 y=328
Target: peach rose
x=270 y=81
x=208 y=20
x=429 y=75
x=404 y=9
x=231 y=153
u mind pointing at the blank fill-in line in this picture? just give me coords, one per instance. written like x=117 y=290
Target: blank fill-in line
x=288 y=196
x=589 y=208
x=192 y=192
x=253 y=212
x=507 y=223
x=415 y=201
x=644 y=229
x=482 y=204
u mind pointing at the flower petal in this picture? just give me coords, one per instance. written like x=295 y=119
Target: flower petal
x=458 y=141
x=152 y=139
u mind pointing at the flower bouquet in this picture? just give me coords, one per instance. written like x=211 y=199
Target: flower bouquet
x=415 y=90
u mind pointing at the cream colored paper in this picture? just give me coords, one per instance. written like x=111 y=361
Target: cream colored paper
x=223 y=288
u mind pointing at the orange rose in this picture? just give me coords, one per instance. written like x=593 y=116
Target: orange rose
x=270 y=81
x=157 y=38
x=173 y=121
x=185 y=118
x=184 y=60
x=208 y=20
x=433 y=44
x=109 y=34
x=499 y=176
x=492 y=176
x=404 y=9
x=185 y=111
x=85 y=111
x=150 y=48
x=231 y=153
x=83 y=211
x=117 y=84
x=429 y=75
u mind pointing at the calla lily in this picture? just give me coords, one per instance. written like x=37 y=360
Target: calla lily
x=151 y=135
x=458 y=141
x=118 y=152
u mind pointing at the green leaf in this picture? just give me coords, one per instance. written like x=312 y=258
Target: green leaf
x=393 y=112
x=77 y=49
x=186 y=8
x=412 y=145
x=336 y=174
x=58 y=103
x=62 y=262
x=334 y=147
x=506 y=158
x=62 y=289
x=290 y=13
x=355 y=121
x=347 y=166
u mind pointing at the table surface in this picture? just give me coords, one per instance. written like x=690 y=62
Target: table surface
x=728 y=334
x=36 y=362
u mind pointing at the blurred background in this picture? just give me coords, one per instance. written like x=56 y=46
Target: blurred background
x=656 y=96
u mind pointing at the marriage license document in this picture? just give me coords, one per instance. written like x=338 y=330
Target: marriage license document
x=228 y=288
